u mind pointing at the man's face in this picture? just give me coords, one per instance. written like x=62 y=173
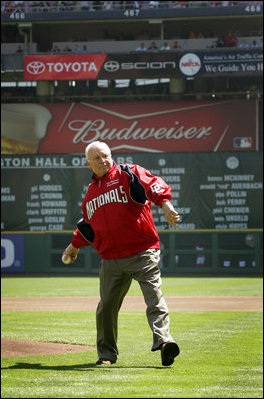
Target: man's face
x=100 y=160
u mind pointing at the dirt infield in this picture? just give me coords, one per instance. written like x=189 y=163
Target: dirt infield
x=16 y=347
x=21 y=347
x=180 y=303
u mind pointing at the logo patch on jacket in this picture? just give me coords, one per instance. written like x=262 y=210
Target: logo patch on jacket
x=157 y=188
x=112 y=183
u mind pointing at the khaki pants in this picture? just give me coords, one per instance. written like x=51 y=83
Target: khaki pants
x=115 y=279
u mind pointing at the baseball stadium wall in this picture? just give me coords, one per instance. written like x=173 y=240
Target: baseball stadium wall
x=194 y=253
x=209 y=152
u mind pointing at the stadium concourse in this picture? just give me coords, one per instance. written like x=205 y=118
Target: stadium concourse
x=51 y=6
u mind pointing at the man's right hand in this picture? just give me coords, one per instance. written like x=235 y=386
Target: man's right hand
x=70 y=252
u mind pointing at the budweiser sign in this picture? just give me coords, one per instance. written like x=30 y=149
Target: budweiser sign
x=97 y=129
x=173 y=126
x=67 y=66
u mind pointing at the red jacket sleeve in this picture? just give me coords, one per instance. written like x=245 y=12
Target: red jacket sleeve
x=157 y=190
x=78 y=240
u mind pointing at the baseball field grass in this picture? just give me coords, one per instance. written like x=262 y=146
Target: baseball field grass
x=221 y=351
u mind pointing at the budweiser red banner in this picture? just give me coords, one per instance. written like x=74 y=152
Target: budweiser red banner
x=67 y=66
x=172 y=126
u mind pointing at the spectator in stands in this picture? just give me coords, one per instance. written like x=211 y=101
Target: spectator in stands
x=243 y=44
x=254 y=44
x=77 y=48
x=18 y=6
x=153 y=4
x=141 y=47
x=153 y=47
x=55 y=49
x=35 y=6
x=69 y=5
x=214 y=3
x=192 y=35
x=19 y=49
x=7 y=6
x=61 y=5
x=97 y=5
x=52 y=6
x=230 y=40
x=66 y=49
x=183 y=4
x=135 y=5
x=220 y=42
x=85 y=49
x=107 y=5
x=85 y=6
x=44 y=6
x=176 y=46
x=165 y=47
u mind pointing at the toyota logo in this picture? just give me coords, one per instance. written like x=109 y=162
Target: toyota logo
x=36 y=67
x=111 y=66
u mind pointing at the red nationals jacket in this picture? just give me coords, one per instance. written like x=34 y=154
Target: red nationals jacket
x=117 y=212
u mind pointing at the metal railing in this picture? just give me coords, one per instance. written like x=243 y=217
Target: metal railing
x=32 y=98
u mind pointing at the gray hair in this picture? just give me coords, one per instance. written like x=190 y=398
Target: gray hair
x=95 y=144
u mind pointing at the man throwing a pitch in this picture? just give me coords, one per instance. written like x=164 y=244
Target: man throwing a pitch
x=118 y=222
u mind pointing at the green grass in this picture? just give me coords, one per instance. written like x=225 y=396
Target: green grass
x=66 y=327
x=221 y=352
x=82 y=286
x=221 y=357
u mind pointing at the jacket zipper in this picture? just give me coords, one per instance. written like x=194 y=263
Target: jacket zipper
x=106 y=222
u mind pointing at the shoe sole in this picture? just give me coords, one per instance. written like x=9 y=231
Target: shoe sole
x=104 y=362
x=169 y=353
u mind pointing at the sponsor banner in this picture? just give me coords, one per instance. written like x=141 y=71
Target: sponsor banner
x=223 y=62
x=179 y=64
x=172 y=126
x=12 y=253
x=58 y=67
x=140 y=65
x=144 y=65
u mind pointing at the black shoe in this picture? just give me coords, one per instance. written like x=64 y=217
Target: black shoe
x=169 y=350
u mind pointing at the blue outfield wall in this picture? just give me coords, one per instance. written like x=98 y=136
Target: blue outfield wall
x=195 y=252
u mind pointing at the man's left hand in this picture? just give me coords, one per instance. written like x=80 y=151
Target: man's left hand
x=171 y=215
